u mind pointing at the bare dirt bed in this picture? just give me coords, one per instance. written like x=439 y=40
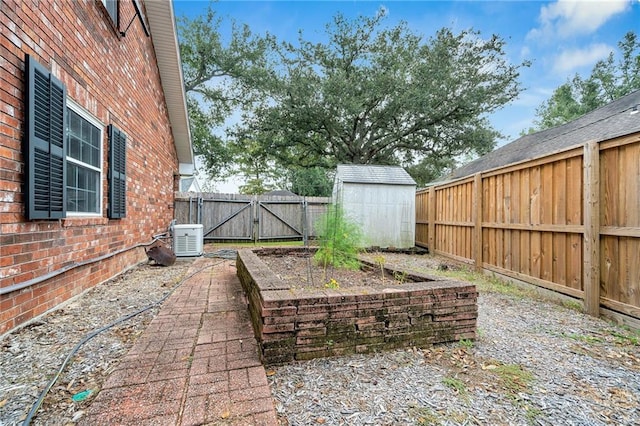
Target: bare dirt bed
x=302 y=271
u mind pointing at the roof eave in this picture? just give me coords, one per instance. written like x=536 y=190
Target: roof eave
x=164 y=36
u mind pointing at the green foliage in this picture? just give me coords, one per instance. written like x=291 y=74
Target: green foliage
x=583 y=338
x=218 y=77
x=455 y=384
x=466 y=343
x=255 y=166
x=425 y=416
x=340 y=240
x=608 y=81
x=371 y=94
x=374 y=94
x=332 y=284
x=627 y=337
x=574 y=305
x=311 y=182
x=400 y=277
x=514 y=378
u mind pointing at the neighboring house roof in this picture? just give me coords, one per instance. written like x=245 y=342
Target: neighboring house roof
x=189 y=184
x=389 y=175
x=164 y=34
x=607 y=122
x=281 y=192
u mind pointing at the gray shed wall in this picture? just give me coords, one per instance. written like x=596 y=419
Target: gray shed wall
x=386 y=213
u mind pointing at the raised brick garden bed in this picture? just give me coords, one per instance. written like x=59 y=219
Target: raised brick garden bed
x=304 y=323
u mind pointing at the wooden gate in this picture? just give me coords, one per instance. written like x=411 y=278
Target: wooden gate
x=236 y=217
x=280 y=220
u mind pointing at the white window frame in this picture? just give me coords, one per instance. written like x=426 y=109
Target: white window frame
x=85 y=115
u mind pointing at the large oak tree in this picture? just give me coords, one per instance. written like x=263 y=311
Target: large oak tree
x=368 y=94
x=377 y=95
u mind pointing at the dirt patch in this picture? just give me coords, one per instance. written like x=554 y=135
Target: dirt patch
x=299 y=270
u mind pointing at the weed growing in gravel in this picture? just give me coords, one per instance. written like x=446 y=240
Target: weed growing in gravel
x=514 y=378
x=466 y=343
x=532 y=414
x=485 y=283
x=425 y=416
x=332 y=284
x=583 y=338
x=455 y=384
x=379 y=259
x=400 y=276
x=629 y=337
x=574 y=305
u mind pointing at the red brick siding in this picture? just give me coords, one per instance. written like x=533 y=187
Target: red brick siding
x=116 y=80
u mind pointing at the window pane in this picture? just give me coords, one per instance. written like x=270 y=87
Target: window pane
x=83 y=140
x=112 y=8
x=95 y=136
x=84 y=154
x=73 y=134
x=82 y=189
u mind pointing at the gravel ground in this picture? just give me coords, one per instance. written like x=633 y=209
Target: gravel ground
x=534 y=362
x=31 y=356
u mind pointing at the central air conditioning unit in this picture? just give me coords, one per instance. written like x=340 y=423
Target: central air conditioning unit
x=187 y=240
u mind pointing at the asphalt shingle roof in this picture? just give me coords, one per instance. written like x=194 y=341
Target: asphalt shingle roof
x=607 y=122
x=358 y=173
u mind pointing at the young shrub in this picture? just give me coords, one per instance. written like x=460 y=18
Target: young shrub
x=340 y=240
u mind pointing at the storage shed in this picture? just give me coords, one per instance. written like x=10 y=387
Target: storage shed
x=381 y=199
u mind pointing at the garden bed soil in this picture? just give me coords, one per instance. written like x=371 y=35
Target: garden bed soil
x=298 y=270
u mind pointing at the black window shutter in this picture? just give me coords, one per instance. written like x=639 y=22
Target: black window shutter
x=117 y=173
x=45 y=143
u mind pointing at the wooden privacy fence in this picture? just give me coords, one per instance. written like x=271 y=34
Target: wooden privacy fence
x=568 y=222
x=227 y=217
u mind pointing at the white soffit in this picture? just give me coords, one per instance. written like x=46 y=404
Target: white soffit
x=164 y=36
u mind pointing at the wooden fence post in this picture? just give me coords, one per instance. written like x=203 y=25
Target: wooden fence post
x=591 y=249
x=432 y=219
x=477 y=219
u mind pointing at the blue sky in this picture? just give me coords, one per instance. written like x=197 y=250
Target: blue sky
x=560 y=38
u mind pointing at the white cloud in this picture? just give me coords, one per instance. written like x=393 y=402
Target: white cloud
x=573 y=59
x=566 y=18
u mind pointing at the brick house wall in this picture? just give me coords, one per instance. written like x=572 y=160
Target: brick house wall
x=116 y=81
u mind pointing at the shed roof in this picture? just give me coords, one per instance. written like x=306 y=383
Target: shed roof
x=358 y=173
x=607 y=122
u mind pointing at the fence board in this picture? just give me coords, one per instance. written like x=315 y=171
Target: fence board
x=569 y=222
x=249 y=217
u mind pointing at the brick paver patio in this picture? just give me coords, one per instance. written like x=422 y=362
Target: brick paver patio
x=196 y=363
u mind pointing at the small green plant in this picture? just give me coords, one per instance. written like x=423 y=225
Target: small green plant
x=340 y=240
x=583 y=338
x=628 y=338
x=455 y=384
x=379 y=259
x=332 y=284
x=574 y=305
x=466 y=343
x=532 y=414
x=514 y=378
x=425 y=416
x=400 y=276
